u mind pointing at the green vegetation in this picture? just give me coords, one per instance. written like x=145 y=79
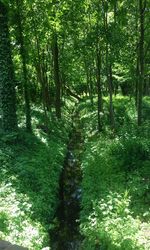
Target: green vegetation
x=7 y=86
x=60 y=59
x=115 y=204
x=30 y=168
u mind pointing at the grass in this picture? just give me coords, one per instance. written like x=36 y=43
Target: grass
x=30 y=168
x=115 y=211
x=115 y=188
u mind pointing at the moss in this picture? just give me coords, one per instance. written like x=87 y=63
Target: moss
x=7 y=83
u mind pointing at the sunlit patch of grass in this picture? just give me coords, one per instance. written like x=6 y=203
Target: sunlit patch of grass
x=16 y=225
x=30 y=168
x=115 y=211
x=111 y=225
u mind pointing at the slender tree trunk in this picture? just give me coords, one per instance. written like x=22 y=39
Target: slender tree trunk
x=23 y=54
x=110 y=88
x=115 y=11
x=7 y=82
x=39 y=69
x=87 y=67
x=110 y=82
x=142 y=5
x=91 y=87
x=137 y=56
x=45 y=83
x=89 y=82
x=112 y=120
x=99 y=89
x=137 y=82
x=56 y=76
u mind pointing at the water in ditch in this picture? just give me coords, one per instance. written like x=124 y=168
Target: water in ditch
x=66 y=234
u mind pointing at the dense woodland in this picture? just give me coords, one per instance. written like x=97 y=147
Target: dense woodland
x=83 y=65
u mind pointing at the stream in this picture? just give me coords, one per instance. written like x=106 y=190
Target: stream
x=66 y=235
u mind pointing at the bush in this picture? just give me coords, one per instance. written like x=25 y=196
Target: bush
x=111 y=225
x=29 y=182
x=115 y=185
x=131 y=152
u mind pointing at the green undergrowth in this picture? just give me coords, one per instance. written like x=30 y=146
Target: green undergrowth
x=30 y=168
x=115 y=211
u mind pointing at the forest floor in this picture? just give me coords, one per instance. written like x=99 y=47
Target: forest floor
x=31 y=165
x=47 y=175
x=66 y=234
x=115 y=212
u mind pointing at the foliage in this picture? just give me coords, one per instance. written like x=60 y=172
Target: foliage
x=30 y=168
x=7 y=80
x=115 y=185
x=95 y=51
x=112 y=226
x=16 y=226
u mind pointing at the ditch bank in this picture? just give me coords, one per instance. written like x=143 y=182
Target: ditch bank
x=66 y=235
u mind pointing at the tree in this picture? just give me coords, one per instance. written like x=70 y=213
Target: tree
x=99 y=90
x=109 y=65
x=7 y=80
x=142 y=7
x=56 y=75
x=23 y=54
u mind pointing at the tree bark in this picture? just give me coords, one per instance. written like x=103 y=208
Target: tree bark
x=91 y=88
x=109 y=80
x=142 y=5
x=89 y=82
x=39 y=69
x=24 y=66
x=7 y=82
x=56 y=76
x=111 y=108
x=99 y=89
x=137 y=82
x=115 y=11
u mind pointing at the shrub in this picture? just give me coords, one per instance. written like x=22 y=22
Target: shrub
x=111 y=217
x=111 y=225
x=30 y=169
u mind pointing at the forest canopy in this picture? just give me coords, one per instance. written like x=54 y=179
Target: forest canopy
x=78 y=47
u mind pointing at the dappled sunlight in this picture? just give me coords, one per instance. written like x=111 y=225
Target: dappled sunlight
x=115 y=186
x=15 y=224
x=31 y=166
x=112 y=224
x=74 y=124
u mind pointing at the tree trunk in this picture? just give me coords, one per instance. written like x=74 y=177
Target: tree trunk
x=137 y=82
x=89 y=82
x=109 y=81
x=142 y=5
x=115 y=11
x=45 y=82
x=7 y=82
x=110 y=88
x=99 y=104
x=39 y=69
x=56 y=76
x=91 y=88
x=24 y=67
x=111 y=109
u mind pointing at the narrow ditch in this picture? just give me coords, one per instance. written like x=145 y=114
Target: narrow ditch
x=66 y=234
